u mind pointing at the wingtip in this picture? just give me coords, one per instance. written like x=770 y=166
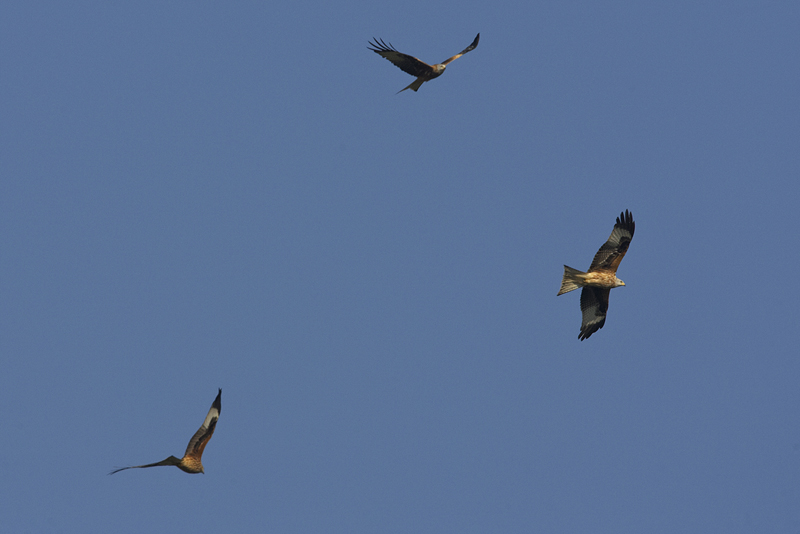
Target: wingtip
x=218 y=401
x=379 y=45
x=626 y=219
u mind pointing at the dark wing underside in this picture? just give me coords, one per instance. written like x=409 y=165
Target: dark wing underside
x=169 y=461
x=204 y=433
x=594 y=305
x=406 y=63
x=470 y=48
x=612 y=252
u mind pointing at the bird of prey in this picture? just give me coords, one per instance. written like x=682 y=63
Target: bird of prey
x=601 y=277
x=191 y=458
x=414 y=66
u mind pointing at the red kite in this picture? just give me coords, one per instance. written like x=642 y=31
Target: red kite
x=414 y=66
x=191 y=458
x=601 y=277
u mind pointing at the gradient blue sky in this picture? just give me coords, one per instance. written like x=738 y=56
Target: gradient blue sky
x=203 y=195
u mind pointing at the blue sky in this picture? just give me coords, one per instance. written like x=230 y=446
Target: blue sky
x=196 y=196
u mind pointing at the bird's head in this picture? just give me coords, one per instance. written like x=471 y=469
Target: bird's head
x=619 y=282
x=439 y=68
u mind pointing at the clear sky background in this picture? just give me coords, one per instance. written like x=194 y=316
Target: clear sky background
x=231 y=194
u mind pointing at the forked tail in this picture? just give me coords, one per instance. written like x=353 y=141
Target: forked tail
x=413 y=86
x=573 y=279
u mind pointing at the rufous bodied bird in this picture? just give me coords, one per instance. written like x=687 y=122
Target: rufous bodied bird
x=191 y=458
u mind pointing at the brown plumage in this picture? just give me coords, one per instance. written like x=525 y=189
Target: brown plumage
x=194 y=451
x=601 y=277
x=414 y=66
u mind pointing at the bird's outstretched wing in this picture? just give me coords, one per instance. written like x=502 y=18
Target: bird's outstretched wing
x=406 y=63
x=613 y=250
x=594 y=305
x=470 y=48
x=204 y=433
x=169 y=461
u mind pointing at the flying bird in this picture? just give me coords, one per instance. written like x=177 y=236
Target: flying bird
x=601 y=277
x=414 y=66
x=191 y=458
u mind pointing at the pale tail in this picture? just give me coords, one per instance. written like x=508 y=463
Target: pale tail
x=573 y=279
x=414 y=85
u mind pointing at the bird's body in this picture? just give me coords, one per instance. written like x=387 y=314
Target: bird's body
x=601 y=278
x=190 y=463
x=414 y=66
x=573 y=279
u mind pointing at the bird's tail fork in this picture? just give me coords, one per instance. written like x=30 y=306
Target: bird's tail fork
x=573 y=279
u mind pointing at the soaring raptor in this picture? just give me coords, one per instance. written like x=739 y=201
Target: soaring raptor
x=414 y=66
x=601 y=277
x=191 y=458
